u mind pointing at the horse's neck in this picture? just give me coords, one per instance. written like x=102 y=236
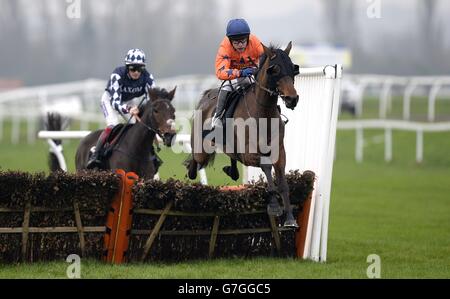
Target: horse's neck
x=265 y=103
x=141 y=139
x=264 y=99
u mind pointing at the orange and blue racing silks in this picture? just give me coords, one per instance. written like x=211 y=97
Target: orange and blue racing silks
x=229 y=62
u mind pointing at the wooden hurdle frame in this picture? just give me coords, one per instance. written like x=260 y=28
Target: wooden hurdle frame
x=117 y=230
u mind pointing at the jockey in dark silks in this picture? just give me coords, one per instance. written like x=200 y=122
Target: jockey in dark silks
x=236 y=61
x=126 y=89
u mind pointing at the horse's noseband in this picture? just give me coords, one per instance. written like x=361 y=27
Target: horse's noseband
x=286 y=68
x=150 y=125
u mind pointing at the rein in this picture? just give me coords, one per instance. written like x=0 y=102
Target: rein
x=269 y=91
x=139 y=121
x=147 y=126
x=150 y=127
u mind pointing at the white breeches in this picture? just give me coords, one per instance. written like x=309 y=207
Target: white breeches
x=230 y=85
x=112 y=116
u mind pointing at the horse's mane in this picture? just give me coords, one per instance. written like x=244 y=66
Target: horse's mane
x=273 y=47
x=207 y=91
x=161 y=92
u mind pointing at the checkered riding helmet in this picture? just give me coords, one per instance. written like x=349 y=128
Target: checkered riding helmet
x=135 y=56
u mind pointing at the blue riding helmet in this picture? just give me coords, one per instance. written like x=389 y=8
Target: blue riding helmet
x=237 y=28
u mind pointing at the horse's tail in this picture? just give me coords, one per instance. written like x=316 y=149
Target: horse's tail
x=55 y=122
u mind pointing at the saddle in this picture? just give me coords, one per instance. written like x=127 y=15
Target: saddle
x=114 y=137
x=232 y=100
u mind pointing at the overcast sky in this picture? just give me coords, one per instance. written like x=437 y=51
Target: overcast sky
x=394 y=42
x=302 y=20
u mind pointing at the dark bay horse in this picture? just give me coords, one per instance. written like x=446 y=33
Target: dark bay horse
x=274 y=78
x=134 y=149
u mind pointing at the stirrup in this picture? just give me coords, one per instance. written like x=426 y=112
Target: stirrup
x=216 y=120
x=217 y=123
x=94 y=160
x=91 y=164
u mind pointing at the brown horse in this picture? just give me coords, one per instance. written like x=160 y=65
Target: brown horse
x=134 y=150
x=274 y=78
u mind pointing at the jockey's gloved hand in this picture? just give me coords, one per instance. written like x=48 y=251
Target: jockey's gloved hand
x=247 y=72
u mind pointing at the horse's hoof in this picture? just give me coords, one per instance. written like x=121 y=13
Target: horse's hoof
x=308 y=175
x=192 y=170
x=234 y=175
x=192 y=175
x=290 y=223
x=274 y=210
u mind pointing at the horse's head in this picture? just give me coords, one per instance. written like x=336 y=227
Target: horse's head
x=159 y=114
x=277 y=68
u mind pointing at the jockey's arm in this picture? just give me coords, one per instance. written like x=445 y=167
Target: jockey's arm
x=115 y=90
x=223 y=63
x=134 y=110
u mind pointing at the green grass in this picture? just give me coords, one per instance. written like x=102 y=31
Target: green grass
x=398 y=210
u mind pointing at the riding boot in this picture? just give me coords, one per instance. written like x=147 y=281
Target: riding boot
x=95 y=159
x=221 y=103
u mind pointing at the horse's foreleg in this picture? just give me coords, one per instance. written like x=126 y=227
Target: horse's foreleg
x=197 y=162
x=232 y=171
x=283 y=188
x=192 y=169
x=273 y=208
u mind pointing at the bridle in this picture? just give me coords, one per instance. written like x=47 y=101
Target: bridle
x=285 y=71
x=150 y=126
x=271 y=92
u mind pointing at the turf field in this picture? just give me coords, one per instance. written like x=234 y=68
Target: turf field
x=399 y=211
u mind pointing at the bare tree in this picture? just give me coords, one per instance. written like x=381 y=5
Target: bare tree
x=432 y=53
x=14 y=43
x=339 y=16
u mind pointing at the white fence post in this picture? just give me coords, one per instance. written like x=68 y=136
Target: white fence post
x=407 y=99
x=432 y=100
x=388 y=126
x=359 y=103
x=31 y=129
x=384 y=98
x=419 y=146
x=388 y=144
x=15 y=129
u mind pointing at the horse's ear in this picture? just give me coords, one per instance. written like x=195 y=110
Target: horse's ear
x=172 y=93
x=288 y=48
x=152 y=94
x=267 y=51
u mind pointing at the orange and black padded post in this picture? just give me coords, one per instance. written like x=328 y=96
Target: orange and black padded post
x=118 y=222
x=302 y=220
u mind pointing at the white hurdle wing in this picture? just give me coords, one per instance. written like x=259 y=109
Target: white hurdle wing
x=309 y=141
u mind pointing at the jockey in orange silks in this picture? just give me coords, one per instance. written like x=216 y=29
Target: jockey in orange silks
x=236 y=61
